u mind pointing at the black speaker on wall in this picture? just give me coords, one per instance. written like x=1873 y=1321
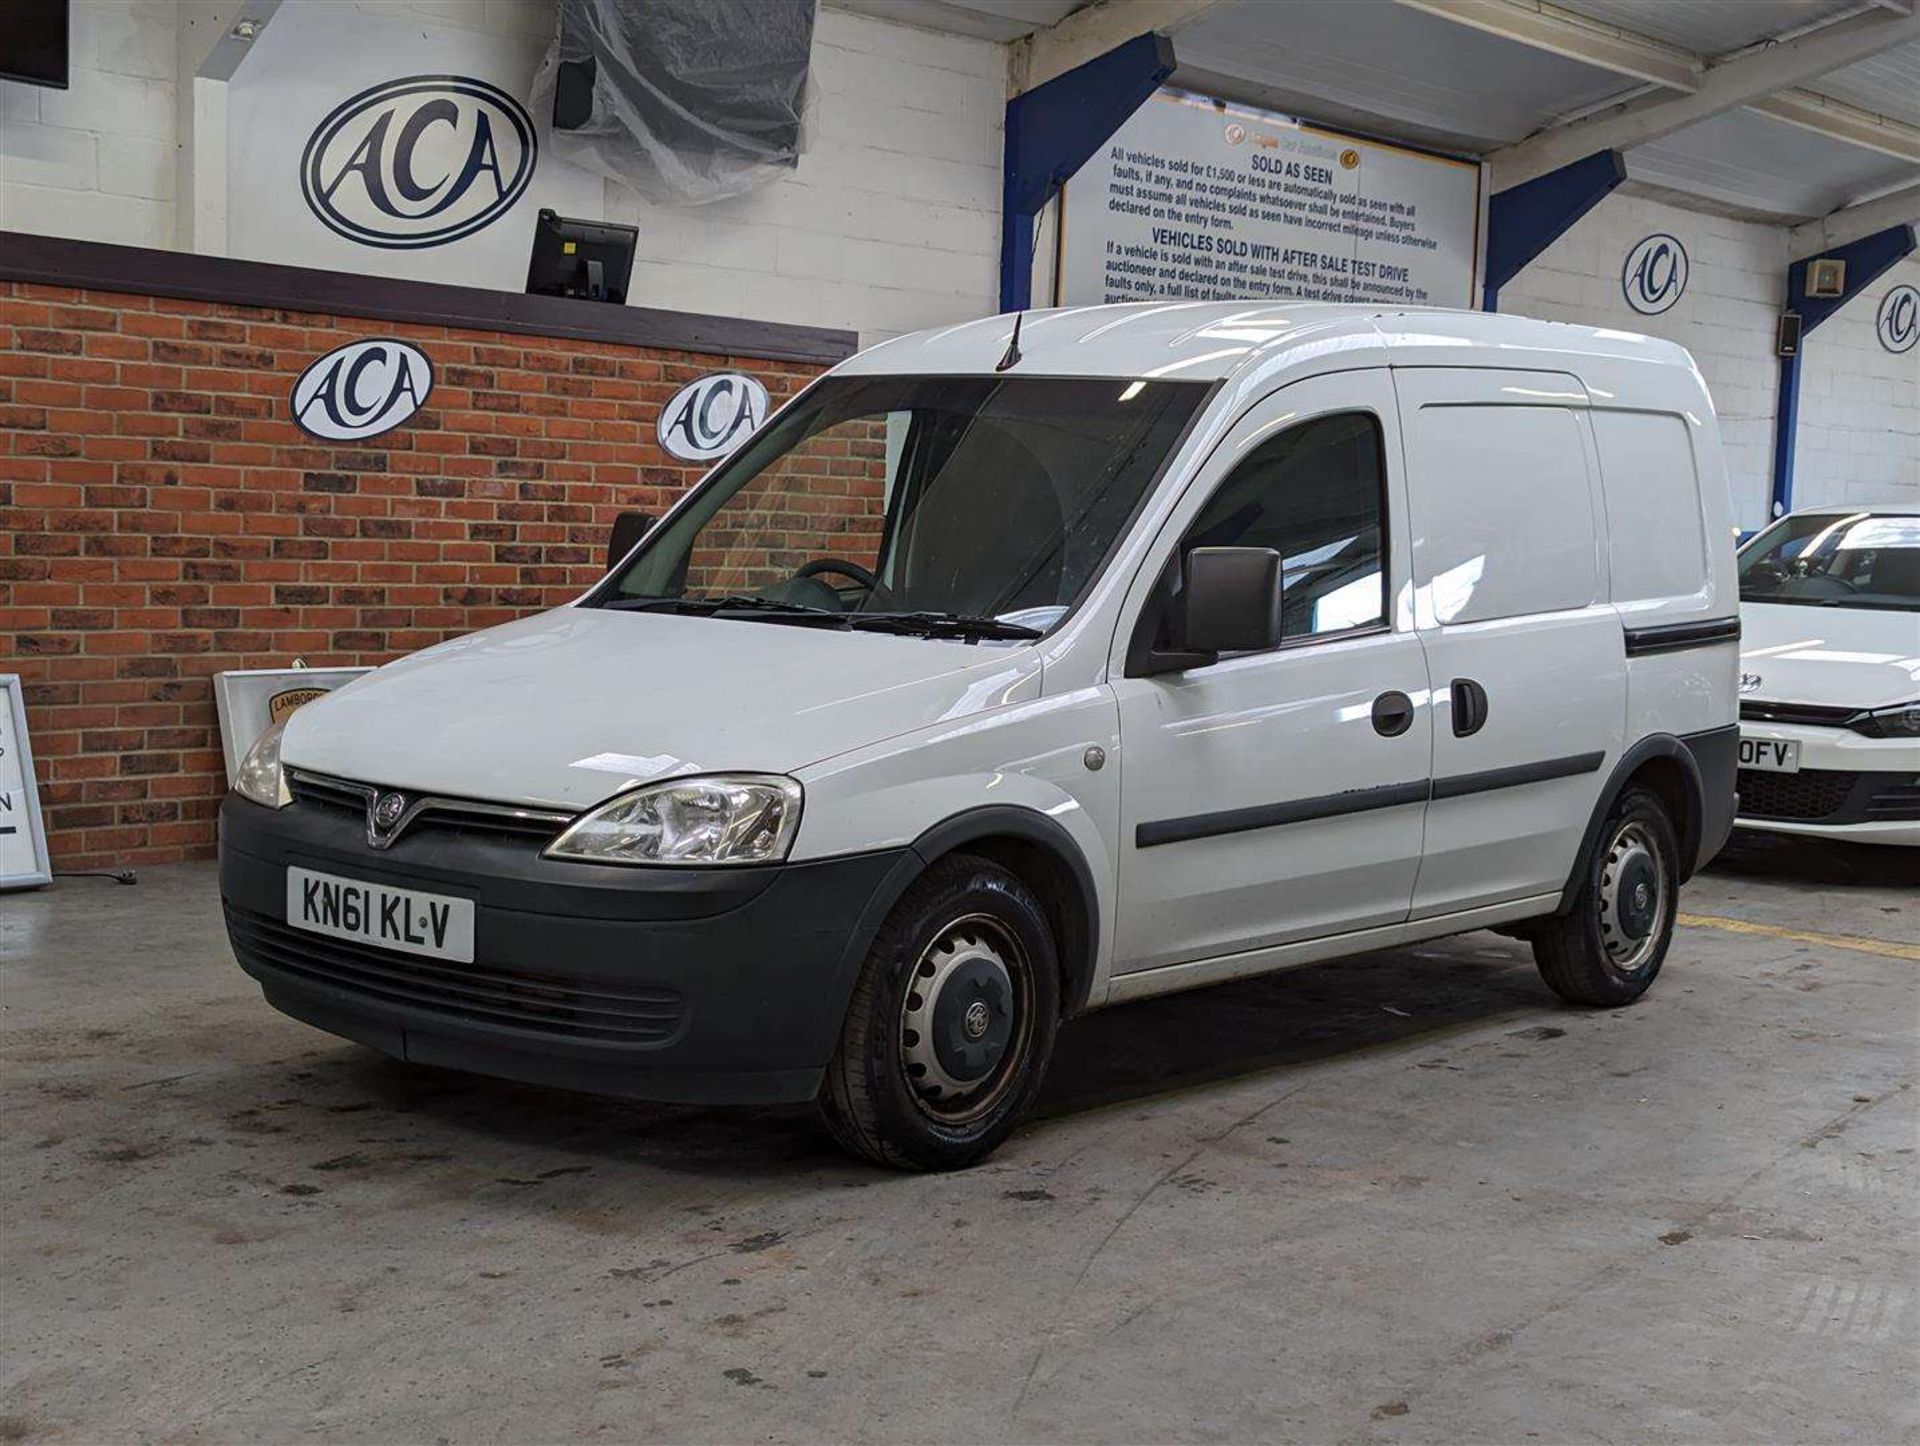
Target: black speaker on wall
x=1787 y=338
x=573 y=93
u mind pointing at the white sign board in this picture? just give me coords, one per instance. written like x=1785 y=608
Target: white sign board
x=708 y=419
x=248 y=699
x=361 y=390
x=1199 y=201
x=359 y=143
x=23 y=838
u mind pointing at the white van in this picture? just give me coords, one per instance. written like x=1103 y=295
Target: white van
x=1028 y=666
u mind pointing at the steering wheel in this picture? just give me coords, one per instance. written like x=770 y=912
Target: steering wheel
x=865 y=577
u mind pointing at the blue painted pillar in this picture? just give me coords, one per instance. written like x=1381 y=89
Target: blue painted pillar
x=1786 y=428
x=1867 y=260
x=1523 y=220
x=1053 y=130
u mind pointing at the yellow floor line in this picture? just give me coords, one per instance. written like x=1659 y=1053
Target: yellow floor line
x=1884 y=947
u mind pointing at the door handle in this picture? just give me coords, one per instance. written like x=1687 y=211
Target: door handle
x=1392 y=714
x=1469 y=707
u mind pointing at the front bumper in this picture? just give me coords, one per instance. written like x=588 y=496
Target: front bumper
x=1849 y=786
x=706 y=985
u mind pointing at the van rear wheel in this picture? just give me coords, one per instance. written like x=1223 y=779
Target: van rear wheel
x=951 y=1024
x=1608 y=947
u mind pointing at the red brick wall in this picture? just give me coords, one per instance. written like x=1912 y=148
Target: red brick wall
x=162 y=520
x=825 y=498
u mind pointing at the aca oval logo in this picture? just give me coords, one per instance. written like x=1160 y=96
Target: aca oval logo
x=707 y=419
x=1655 y=274
x=419 y=161
x=362 y=389
x=1897 y=322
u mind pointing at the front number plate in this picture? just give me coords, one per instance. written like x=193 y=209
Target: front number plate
x=1770 y=755
x=412 y=922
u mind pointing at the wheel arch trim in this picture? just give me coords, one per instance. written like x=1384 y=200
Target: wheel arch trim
x=953 y=834
x=1666 y=746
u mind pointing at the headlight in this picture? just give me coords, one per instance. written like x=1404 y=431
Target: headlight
x=1902 y=721
x=728 y=818
x=260 y=778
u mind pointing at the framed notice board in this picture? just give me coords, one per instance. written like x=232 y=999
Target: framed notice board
x=23 y=837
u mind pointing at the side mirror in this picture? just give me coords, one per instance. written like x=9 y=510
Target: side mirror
x=1232 y=600
x=628 y=529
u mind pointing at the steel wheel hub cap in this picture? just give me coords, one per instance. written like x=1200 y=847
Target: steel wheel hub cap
x=1633 y=900
x=959 y=1017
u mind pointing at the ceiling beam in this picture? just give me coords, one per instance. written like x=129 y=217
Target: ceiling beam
x=1547 y=27
x=1742 y=80
x=1087 y=34
x=1854 y=223
x=1839 y=121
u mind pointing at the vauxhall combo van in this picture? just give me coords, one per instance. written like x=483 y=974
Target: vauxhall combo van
x=1029 y=666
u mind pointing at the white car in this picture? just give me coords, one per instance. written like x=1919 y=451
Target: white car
x=1830 y=675
x=1024 y=667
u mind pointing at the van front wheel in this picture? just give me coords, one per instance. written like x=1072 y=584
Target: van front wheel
x=1608 y=947
x=951 y=1024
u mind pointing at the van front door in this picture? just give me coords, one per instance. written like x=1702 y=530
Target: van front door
x=1278 y=796
x=1524 y=649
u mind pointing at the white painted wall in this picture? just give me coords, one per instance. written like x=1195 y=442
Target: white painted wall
x=889 y=223
x=96 y=160
x=1859 y=406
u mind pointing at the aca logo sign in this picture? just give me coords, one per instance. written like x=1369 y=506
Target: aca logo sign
x=361 y=390
x=707 y=419
x=419 y=161
x=1655 y=274
x=1897 y=323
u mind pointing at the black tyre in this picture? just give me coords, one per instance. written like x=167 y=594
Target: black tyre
x=951 y=1024
x=1608 y=947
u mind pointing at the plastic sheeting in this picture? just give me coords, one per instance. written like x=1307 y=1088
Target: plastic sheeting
x=682 y=100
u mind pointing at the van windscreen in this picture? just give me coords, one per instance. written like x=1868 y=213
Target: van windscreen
x=892 y=501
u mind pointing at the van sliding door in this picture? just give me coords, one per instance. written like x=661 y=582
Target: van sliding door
x=1523 y=647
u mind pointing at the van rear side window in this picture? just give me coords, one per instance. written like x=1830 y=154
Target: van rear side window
x=1658 y=542
x=1502 y=511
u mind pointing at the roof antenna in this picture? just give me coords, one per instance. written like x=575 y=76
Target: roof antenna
x=1012 y=356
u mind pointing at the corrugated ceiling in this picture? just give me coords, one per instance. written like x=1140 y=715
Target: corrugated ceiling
x=1384 y=68
x=1709 y=27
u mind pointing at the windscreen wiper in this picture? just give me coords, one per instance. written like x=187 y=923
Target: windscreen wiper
x=731 y=602
x=964 y=626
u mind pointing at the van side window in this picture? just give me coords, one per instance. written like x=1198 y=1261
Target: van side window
x=1657 y=542
x=1502 y=512
x=1315 y=494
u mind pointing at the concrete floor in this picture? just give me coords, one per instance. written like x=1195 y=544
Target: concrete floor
x=1405 y=1197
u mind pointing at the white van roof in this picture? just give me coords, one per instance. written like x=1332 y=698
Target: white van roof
x=1213 y=340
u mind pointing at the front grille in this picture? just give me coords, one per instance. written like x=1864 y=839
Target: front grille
x=343 y=796
x=1813 y=793
x=1817 y=715
x=480 y=993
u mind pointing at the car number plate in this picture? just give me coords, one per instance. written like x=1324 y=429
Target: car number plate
x=436 y=925
x=1770 y=755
